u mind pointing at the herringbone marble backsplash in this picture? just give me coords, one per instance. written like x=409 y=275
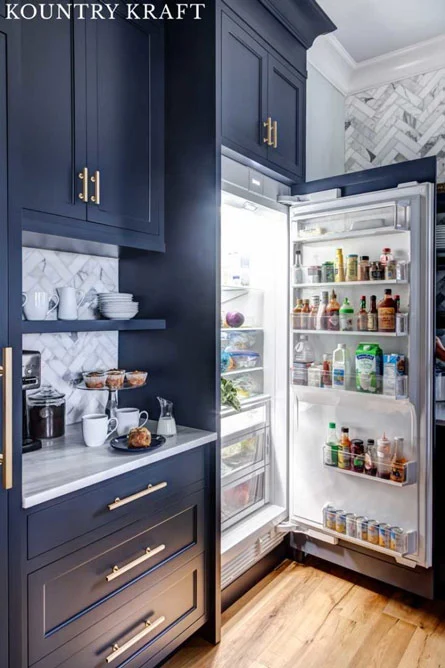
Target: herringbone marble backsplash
x=65 y=356
x=397 y=122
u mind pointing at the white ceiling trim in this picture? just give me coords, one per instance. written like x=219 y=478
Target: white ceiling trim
x=332 y=60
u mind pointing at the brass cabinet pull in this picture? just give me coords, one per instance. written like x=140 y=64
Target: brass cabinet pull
x=118 y=650
x=96 y=180
x=268 y=139
x=117 y=503
x=275 y=134
x=83 y=176
x=120 y=570
x=6 y=455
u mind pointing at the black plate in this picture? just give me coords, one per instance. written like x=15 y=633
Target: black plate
x=121 y=444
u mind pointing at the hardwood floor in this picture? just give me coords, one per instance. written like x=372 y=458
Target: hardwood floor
x=314 y=616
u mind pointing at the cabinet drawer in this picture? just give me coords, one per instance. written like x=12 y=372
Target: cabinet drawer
x=170 y=607
x=70 y=595
x=96 y=510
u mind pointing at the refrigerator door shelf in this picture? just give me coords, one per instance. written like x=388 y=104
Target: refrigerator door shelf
x=316 y=394
x=409 y=474
x=373 y=335
x=347 y=284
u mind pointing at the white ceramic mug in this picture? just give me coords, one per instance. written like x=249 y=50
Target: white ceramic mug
x=69 y=301
x=129 y=418
x=96 y=428
x=36 y=304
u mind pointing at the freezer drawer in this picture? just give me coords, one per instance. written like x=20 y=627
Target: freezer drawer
x=244 y=496
x=240 y=453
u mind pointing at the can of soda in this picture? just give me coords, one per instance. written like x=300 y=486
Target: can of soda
x=397 y=540
x=384 y=535
x=340 y=521
x=326 y=509
x=351 y=526
x=331 y=514
x=362 y=528
x=373 y=532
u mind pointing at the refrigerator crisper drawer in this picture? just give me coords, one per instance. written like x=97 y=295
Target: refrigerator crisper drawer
x=243 y=497
x=239 y=454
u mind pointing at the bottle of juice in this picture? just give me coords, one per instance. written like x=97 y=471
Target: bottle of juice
x=333 y=313
x=386 y=311
x=373 y=315
x=339 y=266
x=341 y=368
x=322 y=320
x=331 y=448
x=305 y=314
x=362 y=318
x=346 y=316
x=344 y=450
x=297 y=314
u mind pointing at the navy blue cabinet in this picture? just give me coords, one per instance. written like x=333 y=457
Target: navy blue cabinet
x=93 y=139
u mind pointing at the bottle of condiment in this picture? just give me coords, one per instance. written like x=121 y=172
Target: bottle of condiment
x=397 y=301
x=375 y=272
x=352 y=268
x=384 y=458
x=373 y=315
x=333 y=312
x=331 y=447
x=387 y=313
x=398 y=461
x=370 y=458
x=357 y=455
x=344 y=450
x=297 y=314
x=363 y=268
x=314 y=312
x=362 y=318
x=385 y=257
x=298 y=268
x=391 y=270
x=322 y=319
x=346 y=316
x=305 y=314
x=326 y=374
x=339 y=266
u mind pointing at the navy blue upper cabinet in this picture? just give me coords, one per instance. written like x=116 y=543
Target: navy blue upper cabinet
x=125 y=117
x=93 y=130
x=244 y=90
x=287 y=109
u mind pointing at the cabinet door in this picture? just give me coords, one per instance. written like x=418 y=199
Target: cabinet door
x=244 y=91
x=53 y=121
x=287 y=108
x=125 y=93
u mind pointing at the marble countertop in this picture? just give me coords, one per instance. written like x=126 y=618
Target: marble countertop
x=66 y=465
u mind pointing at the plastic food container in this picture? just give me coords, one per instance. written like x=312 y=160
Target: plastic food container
x=136 y=378
x=244 y=359
x=95 y=380
x=115 y=378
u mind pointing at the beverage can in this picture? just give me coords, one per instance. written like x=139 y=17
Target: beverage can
x=397 y=539
x=384 y=535
x=340 y=521
x=373 y=532
x=351 y=525
x=328 y=507
x=330 y=518
x=362 y=528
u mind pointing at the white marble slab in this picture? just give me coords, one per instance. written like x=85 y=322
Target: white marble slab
x=65 y=465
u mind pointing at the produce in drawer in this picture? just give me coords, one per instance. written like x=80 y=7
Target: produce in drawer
x=229 y=395
x=232 y=341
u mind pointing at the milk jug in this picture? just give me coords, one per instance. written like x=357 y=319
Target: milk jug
x=341 y=368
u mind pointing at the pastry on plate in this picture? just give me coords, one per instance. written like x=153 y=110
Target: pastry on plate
x=139 y=437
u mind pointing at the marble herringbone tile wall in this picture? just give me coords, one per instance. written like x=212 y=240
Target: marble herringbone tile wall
x=395 y=122
x=65 y=356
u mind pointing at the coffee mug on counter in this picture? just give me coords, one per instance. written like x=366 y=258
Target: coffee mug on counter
x=36 y=304
x=129 y=418
x=69 y=301
x=96 y=428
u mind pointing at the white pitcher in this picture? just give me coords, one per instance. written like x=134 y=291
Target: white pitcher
x=69 y=301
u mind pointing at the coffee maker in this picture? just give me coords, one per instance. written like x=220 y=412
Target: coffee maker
x=31 y=377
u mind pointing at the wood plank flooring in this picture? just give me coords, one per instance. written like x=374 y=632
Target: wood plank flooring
x=314 y=616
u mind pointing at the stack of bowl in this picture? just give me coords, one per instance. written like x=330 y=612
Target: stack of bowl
x=117 y=305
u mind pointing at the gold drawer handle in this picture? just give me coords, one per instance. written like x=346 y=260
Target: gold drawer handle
x=268 y=124
x=6 y=455
x=96 y=180
x=120 y=570
x=83 y=176
x=151 y=489
x=149 y=627
x=275 y=133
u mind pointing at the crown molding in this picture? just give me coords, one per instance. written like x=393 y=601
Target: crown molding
x=332 y=60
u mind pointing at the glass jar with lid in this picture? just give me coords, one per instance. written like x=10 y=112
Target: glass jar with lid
x=46 y=413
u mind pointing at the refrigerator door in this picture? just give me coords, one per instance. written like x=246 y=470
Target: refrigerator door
x=401 y=218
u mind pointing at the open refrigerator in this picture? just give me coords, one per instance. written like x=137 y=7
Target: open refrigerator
x=277 y=477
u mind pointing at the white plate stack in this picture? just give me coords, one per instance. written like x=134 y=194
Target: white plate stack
x=117 y=305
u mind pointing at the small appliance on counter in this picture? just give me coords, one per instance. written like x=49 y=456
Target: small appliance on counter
x=31 y=377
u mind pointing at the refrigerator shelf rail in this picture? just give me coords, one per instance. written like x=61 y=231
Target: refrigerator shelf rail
x=326 y=332
x=347 y=284
x=236 y=372
x=311 y=393
x=408 y=472
x=246 y=404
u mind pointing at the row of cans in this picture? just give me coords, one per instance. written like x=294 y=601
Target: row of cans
x=362 y=528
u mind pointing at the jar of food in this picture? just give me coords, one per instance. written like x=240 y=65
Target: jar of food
x=46 y=413
x=352 y=268
x=363 y=268
x=375 y=271
x=327 y=272
x=391 y=270
x=313 y=274
x=357 y=455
